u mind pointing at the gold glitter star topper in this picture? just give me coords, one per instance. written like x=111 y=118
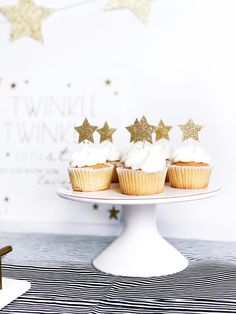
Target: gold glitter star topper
x=86 y=131
x=162 y=131
x=190 y=130
x=141 y=131
x=141 y=8
x=26 y=19
x=106 y=133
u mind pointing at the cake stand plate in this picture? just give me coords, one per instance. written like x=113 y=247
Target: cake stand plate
x=140 y=250
x=12 y=289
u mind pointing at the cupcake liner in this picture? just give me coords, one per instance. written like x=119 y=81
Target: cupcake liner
x=137 y=182
x=89 y=179
x=167 y=174
x=189 y=177
x=116 y=164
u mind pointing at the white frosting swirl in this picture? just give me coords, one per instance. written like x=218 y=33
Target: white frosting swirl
x=165 y=148
x=129 y=149
x=145 y=157
x=191 y=153
x=89 y=156
x=113 y=152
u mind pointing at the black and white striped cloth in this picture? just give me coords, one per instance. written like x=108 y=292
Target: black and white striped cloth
x=63 y=280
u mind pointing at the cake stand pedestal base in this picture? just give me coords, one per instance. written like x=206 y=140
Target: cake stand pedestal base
x=140 y=251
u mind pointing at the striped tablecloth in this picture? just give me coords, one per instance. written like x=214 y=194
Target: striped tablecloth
x=63 y=280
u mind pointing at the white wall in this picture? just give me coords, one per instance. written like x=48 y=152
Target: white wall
x=181 y=65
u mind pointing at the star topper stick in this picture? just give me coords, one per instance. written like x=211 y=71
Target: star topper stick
x=190 y=130
x=86 y=131
x=106 y=133
x=141 y=131
x=162 y=131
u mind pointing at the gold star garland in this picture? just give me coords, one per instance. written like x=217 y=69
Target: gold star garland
x=141 y=8
x=113 y=213
x=86 y=131
x=106 y=133
x=141 y=131
x=190 y=130
x=26 y=19
x=162 y=131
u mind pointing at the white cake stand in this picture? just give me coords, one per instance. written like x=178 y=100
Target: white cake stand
x=140 y=250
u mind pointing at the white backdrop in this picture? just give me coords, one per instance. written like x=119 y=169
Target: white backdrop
x=180 y=65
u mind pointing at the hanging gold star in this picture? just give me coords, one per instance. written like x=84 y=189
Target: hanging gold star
x=106 y=133
x=190 y=130
x=113 y=213
x=141 y=8
x=26 y=19
x=162 y=131
x=141 y=131
x=86 y=131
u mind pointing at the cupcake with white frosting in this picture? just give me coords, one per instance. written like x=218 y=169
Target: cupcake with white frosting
x=89 y=170
x=167 y=149
x=190 y=169
x=113 y=158
x=144 y=170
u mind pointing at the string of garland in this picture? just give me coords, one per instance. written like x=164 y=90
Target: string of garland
x=71 y=6
x=26 y=17
x=74 y=5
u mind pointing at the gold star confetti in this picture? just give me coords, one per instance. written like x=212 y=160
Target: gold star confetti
x=95 y=206
x=86 y=131
x=108 y=82
x=26 y=19
x=190 y=130
x=106 y=133
x=162 y=131
x=141 y=8
x=113 y=213
x=141 y=131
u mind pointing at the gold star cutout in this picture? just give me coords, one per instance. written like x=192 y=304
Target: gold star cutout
x=86 y=131
x=141 y=131
x=26 y=19
x=162 y=131
x=106 y=133
x=113 y=213
x=141 y=8
x=190 y=130
x=133 y=130
x=146 y=130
